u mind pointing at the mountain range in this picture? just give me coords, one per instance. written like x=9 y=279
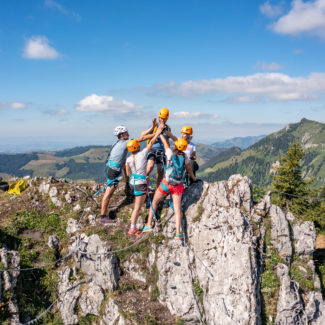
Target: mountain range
x=257 y=160
x=241 y=142
x=88 y=162
x=78 y=163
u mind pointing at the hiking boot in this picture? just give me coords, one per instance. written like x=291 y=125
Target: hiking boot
x=134 y=232
x=180 y=236
x=146 y=229
x=106 y=220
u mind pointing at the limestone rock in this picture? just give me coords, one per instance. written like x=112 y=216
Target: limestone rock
x=10 y=259
x=77 y=207
x=91 y=299
x=92 y=219
x=112 y=315
x=221 y=260
x=53 y=242
x=305 y=236
x=315 y=308
x=134 y=270
x=97 y=263
x=290 y=305
x=53 y=195
x=240 y=192
x=44 y=188
x=262 y=208
x=68 y=296
x=53 y=192
x=280 y=233
x=68 y=198
x=72 y=226
x=175 y=282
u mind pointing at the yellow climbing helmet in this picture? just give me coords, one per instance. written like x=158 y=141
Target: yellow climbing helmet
x=133 y=145
x=164 y=113
x=181 y=144
x=187 y=129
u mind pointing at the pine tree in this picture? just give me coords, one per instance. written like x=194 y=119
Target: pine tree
x=288 y=183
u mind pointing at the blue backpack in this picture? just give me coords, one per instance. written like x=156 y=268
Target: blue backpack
x=175 y=171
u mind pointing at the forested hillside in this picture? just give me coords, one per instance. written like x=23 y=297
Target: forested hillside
x=256 y=161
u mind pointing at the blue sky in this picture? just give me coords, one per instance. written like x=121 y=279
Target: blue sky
x=72 y=70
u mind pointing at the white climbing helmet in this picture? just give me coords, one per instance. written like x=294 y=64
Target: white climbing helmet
x=119 y=130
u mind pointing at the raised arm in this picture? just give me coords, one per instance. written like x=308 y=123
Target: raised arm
x=164 y=141
x=170 y=135
x=145 y=132
x=190 y=171
x=153 y=140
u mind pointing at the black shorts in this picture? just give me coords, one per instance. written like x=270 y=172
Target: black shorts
x=139 y=188
x=158 y=156
x=113 y=174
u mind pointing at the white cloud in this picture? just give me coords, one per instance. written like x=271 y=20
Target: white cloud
x=61 y=8
x=13 y=105
x=273 y=86
x=105 y=104
x=56 y=112
x=298 y=51
x=37 y=47
x=271 y=11
x=263 y=66
x=304 y=17
x=243 y=99
x=193 y=115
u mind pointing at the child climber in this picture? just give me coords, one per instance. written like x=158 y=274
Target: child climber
x=136 y=167
x=190 y=152
x=172 y=183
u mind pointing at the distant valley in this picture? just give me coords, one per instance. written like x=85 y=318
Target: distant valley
x=216 y=162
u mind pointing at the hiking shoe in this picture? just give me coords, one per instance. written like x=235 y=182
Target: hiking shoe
x=180 y=236
x=146 y=229
x=134 y=232
x=106 y=220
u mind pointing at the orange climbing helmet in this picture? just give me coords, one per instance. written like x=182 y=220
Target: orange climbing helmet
x=164 y=113
x=133 y=145
x=181 y=144
x=187 y=129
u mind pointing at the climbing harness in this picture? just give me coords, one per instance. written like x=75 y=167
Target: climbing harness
x=137 y=177
x=170 y=201
x=113 y=165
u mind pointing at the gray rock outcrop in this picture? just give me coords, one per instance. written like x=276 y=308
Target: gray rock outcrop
x=91 y=299
x=280 y=233
x=112 y=315
x=10 y=259
x=304 y=236
x=219 y=271
x=290 y=308
x=96 y=261
x=68 y=296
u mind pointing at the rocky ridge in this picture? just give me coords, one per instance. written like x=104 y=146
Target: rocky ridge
x=240 y=263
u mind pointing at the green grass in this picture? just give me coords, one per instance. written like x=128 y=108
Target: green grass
x=199 y=213
x=48 y=223
x=270 y=284
x=198 y=290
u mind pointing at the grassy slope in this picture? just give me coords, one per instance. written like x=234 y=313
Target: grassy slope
x=255 y=162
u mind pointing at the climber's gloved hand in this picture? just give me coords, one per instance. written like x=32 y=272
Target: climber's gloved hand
x=198 y=181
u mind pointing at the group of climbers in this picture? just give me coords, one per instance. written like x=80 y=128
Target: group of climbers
x=172 y=163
